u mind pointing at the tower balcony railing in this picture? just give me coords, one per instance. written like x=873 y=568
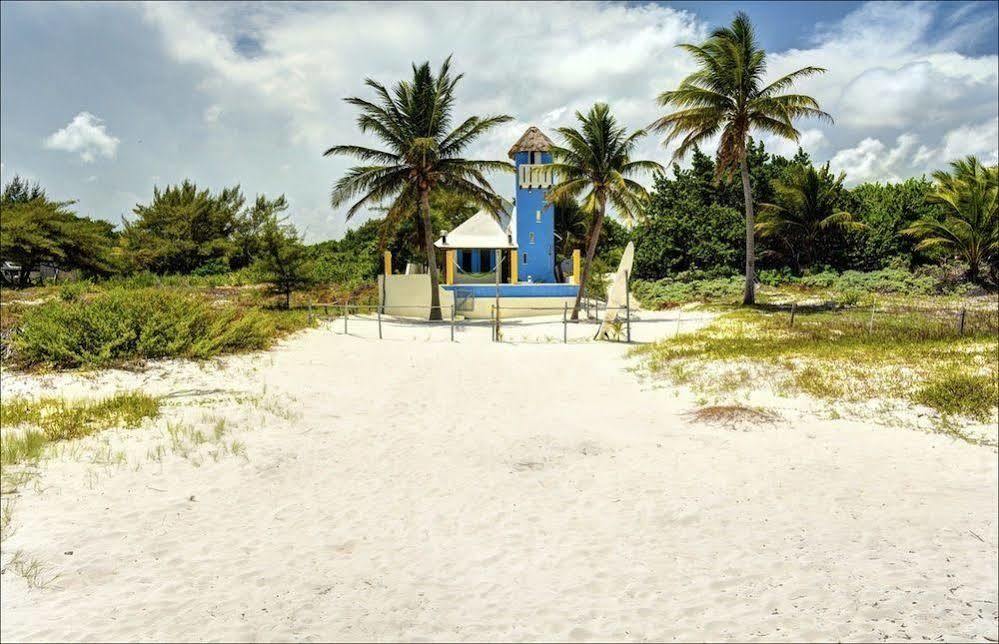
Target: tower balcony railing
x=535 y=175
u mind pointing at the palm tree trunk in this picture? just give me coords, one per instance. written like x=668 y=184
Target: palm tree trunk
x=749 y=295
x=591 y=249
x=428 y=243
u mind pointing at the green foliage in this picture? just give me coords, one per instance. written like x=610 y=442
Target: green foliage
x=284 y=261
x=53 y=419
x=183 y=229
x=35 y=230
x=596 y=161
x=969 y=196
x=666 y=293
x=958 y=393
x=885 y=210
x=685 y=228
x=422 y=154
x=807 y=207
x=131 y=324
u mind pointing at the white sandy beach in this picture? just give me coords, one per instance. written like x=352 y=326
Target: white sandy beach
x=428 y=490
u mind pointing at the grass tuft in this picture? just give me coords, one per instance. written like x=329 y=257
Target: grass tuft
x=956 y=393
x=50 y=420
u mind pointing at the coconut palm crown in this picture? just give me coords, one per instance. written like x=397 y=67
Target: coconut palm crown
x=594 y=165
x=969 y=195
x=421 y=154
x=807 y=205
x=728 y=96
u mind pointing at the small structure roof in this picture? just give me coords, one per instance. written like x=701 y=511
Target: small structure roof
x=483 y=230
x=533 y=140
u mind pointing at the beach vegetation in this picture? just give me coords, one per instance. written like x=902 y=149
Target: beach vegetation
x=594 y=164
x=422 y=154
x=728 y=95
x=45 y=421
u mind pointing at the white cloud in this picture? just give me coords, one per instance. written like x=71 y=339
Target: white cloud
x=872 y=160
x=86 y=135
x=212 y=113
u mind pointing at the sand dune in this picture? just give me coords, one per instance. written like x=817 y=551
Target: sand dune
x=479 y=491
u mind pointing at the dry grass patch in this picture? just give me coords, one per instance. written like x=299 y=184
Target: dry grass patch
x=734 y=416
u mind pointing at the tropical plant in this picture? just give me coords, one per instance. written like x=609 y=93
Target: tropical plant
x=284 y=260
x=184 y=228
x=970 y=226
x=596 y=160
x=727 y=95
x=807 y=205
x=422 y=155
x=35 y=230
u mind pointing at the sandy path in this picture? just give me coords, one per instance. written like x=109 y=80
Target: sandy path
x=475 y=491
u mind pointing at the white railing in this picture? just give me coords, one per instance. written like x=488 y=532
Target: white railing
x=533 y=175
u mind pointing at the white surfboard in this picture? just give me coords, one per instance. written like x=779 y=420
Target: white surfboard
x=618 y=293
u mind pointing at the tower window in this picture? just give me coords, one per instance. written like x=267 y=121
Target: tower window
x=537 y=216
x=525 y=258
x=532 y=238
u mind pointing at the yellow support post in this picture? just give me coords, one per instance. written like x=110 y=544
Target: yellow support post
x=513 y=265
x=388 y=262
x=576 y=266
x=449 y=272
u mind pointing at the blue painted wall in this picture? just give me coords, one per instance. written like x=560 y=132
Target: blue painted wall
x=540 y=254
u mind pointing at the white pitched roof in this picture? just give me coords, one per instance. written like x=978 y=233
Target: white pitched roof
x=483 y=230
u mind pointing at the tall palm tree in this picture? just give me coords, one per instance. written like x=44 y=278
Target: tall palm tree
x=807 y=205
x=422 y=154
x=970 y=228
x=596 y=160
x=727 y=95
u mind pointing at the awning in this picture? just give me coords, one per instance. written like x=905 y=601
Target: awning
x=482 y=230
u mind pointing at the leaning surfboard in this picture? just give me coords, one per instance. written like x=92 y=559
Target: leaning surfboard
x=617 y=294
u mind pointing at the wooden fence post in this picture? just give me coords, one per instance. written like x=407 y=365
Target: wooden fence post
x=794 y=307
x=961 y=324
x=565 y=325
x=452 y=322
x=345 y=314
x=379 y=323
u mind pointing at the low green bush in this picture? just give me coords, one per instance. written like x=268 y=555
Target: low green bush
x=130 y=324
x=665 y=293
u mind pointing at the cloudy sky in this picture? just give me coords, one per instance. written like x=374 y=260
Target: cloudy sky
x=99 y=102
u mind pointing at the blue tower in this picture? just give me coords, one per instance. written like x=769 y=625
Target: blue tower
x=535 y=219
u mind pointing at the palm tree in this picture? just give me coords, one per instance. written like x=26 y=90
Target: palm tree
x=570 y=231
x=727 y=95
x=807 y=206
x=421 y=155
x=596 y=160
x=970 y=228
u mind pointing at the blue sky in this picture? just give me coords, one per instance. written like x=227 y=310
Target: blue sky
x=100 y=102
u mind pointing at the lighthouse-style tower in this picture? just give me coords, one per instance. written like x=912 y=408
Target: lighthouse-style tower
x=534 y=217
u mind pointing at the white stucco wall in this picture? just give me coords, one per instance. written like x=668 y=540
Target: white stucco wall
x=409 y=296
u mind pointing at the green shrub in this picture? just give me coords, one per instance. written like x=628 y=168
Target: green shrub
x=962 y=394
x=72 y=291
x=122 y=325
x=665 y=293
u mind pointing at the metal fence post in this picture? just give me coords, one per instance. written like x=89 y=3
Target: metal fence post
x=961 y=323
x=452 y=323
x=565 y=324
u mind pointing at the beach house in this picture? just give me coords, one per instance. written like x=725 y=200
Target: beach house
x=506 y=260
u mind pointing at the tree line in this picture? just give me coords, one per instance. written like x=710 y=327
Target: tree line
x=739 y=206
